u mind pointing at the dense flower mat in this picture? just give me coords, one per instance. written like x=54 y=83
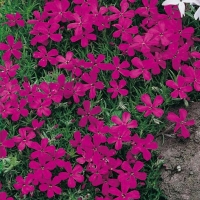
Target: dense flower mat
x=109 y=155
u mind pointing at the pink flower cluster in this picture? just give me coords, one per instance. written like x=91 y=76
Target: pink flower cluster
x=163 y=40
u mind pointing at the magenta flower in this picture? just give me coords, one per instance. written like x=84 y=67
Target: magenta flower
x=124 y=29
x=50 y=92
x=18 y=109
x=37 y=124
x=144 y=43
x=42 y=106
x=84 y=36
x=45 y=56
x=181 y=122
x=143 y=69
x=5 y=143
x=3 y=196
x=124 y=192
x=41 y=150
x=161 y=33
x=87 y=113
x=149 y=8
x=65 y=63
x=43 y=168
x=121 y=14
x=120 y=68
x=47 y=32
x=98 y=128
x=102 y=22
x=38 y=17
x=11 y=48
x=77 y=142
x=15 y=19
x=57 y=11
x=9 y=69
x=6 y=109
x=51 y=186
x=151 y=108
x=92 y=83
x=192 y=76
x=132 y=174
x=24 y=184
x=117 y=88
x=96 y=63
x=143 y=146
x=74 y=90
x=72 y=175
x=118 y=136
x=25 y=139
x=180 y=88
x=56 y=154
x=126 y=116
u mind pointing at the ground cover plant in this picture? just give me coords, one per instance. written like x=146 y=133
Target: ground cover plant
x=85 y=86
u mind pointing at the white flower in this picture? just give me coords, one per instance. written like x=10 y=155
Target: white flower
x=197 y=14
x=180 y=3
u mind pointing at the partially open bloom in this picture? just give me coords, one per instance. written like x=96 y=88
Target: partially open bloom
x=5 y=143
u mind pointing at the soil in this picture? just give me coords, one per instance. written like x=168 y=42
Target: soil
x=181 y=169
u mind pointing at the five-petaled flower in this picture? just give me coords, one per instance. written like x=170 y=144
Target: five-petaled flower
x=15 y=19
x=149 y=107
x=181 y=122
x=11 y=48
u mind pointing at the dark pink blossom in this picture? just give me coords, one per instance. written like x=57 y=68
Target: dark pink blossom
x=5 y=143
x=43 y=168
x=15 y=19
x=42 y=106
x=124 y=193
x=65 y=63
x=124 y=13
x=72 y=175
x=132 y=174
x=144 y=43
x=45 y=56
x=56 y=154
x=126 y=121
x=39 y=17
x=143 y=68
x=6 y=109
x=192 y=76
x=74 y=90
x=51 y=186
x=25 y=185
x=11 y=48
x=50 y=92
x=180 y=88
x=98 y=128
x=124 y=29
x=25 y=138
x=77 y=140
x=117 y=88
x=149 y=8
x=102 y=22
x=3 y=196
x=120 y=68
x=9 y=69
x=181 y=122
x=92 y=83
x=18 y=109
x=57 y=10
x=41 y=150
x=149 y=107
x=143 y=145
x=87 y=113
x=37 y=124
x=118 y=136
x=84 y=36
